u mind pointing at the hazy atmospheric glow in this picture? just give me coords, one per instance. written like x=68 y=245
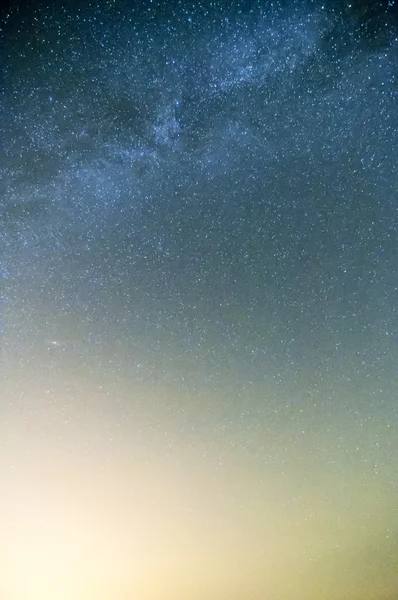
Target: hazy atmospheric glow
x=198 y=254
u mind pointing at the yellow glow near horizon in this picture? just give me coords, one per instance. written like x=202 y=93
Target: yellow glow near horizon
x=88 y=515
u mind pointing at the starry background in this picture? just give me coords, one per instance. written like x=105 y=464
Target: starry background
x=199 y=292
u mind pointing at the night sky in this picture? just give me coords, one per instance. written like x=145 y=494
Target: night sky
x=199 y=301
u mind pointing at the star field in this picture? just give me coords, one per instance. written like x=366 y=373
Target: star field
x=199 y=291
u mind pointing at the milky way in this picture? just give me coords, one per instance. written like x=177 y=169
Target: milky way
x=199 y=291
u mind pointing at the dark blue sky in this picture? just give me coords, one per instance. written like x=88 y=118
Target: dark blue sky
x=198 y=237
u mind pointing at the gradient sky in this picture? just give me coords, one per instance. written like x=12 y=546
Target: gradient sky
x=199 y=301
